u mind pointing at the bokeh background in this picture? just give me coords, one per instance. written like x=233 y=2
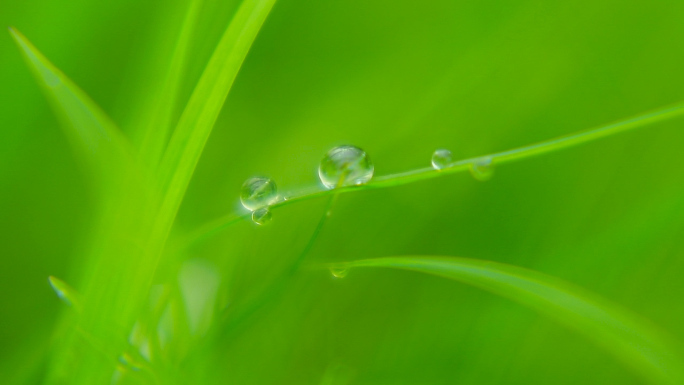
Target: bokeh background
x=399 y=79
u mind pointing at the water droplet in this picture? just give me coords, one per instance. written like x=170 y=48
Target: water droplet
x=339 y=271
x=258 y=192
x=482 y=168
x=441 y=159
x=345 y=166
x=262 y=216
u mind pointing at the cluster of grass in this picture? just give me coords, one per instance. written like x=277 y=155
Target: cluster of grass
x=146 y=309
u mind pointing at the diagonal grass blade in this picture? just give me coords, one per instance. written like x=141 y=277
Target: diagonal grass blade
x=88 y=128
x=639 y=345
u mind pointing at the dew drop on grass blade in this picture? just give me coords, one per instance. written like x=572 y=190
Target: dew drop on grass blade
x=200 y=114
x=481 y=167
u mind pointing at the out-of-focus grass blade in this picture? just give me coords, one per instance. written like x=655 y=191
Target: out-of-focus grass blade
x=417 y=175
x=86 y=125
x=639 y=345
x=200 y=114
x=157 y=133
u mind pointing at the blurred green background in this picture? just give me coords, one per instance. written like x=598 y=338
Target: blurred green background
x=399 y=79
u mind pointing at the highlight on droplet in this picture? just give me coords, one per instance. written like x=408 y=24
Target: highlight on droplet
x=345 y=166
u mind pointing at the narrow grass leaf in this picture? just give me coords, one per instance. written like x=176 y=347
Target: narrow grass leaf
x=638 y=344
x=86 y=125
x=659 y=115
x=417 y=175
x=207 y=99
x=158 y=131
x=197 y=121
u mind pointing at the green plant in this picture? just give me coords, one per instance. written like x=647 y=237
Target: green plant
x=134 y=319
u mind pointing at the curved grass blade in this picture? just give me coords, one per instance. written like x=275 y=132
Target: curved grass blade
x=456 y=167
x=158 y=131
x=548 y=146
x=207 y=100
x=197 y=121
x=638 y=344
x=86 y=125
x=280 y=284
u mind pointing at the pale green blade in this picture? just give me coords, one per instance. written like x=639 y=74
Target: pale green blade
x=200 y=114
x=158 y=131
x=206 y=102
x=638 y=344
x=402 y=178
x=87 y=126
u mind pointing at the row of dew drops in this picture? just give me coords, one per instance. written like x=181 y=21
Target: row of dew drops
x=341 y=166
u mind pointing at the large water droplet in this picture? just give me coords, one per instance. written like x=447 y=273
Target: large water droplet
x=441 y=159
x=258 y=192
x=262 y=216
x=345 y=166
x=339 y=271
x=482 y=168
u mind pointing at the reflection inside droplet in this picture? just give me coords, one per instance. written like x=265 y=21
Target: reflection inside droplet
x=345 y=166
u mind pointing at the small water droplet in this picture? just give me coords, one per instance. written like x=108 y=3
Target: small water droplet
x=345 y=166
x=482 y=168
x=441 y=159
x=262 y=216
x=258 y=192
x=339 y=271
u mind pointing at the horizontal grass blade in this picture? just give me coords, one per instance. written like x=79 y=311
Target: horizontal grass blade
x=639 y=345
x=402 y=178
x=88 y=128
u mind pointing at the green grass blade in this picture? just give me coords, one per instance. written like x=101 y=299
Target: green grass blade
x=548 y=146
x=66 y=293
x=200 y=114
x=197 y=121
x=207 y=100
x=158 y=131
x=639 y=345
x=278 y=287
x=460 y=166
x=86 y=125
